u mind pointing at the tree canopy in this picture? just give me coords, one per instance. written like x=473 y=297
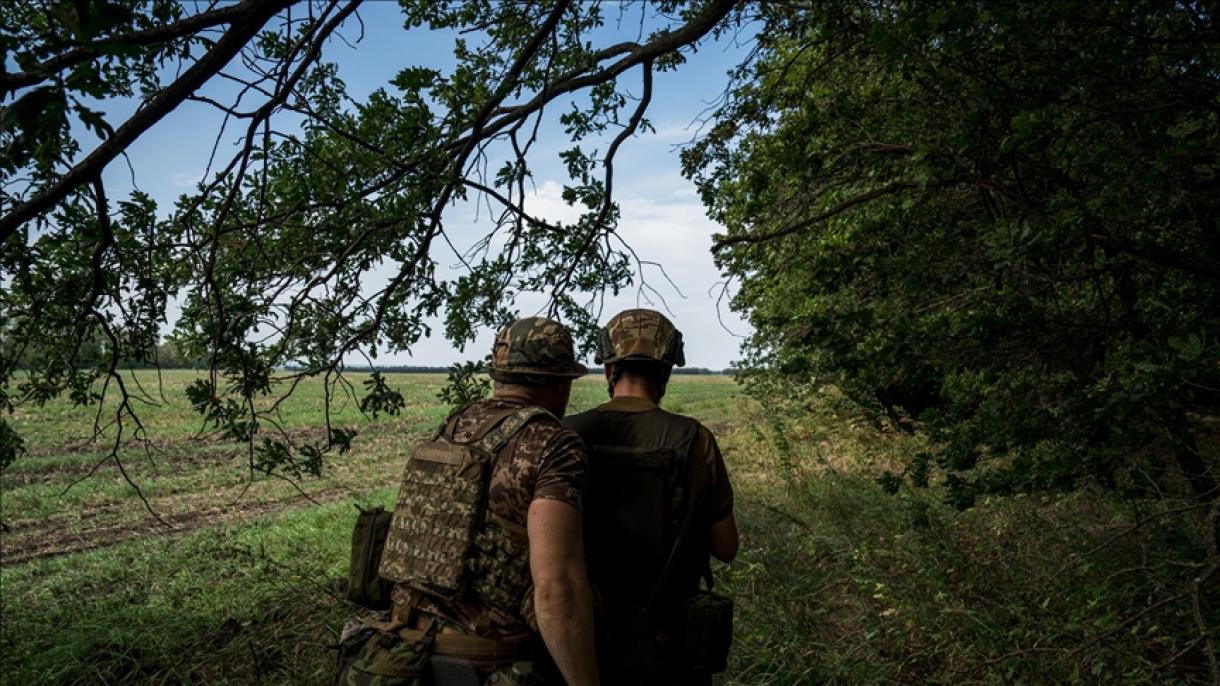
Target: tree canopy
x=272 y=257
x=993 y=222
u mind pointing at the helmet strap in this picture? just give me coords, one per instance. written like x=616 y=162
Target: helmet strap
x=605 y=347
x=616 y=373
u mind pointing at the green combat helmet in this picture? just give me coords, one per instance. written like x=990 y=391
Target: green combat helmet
x=640 y=335
x=533 y=349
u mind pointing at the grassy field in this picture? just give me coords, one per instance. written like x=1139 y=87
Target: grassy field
x=836 y=583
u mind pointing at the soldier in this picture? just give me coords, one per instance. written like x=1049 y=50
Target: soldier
x=659 y=504
x=486 y=541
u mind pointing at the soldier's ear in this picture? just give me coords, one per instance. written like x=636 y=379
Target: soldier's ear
x=609 y=369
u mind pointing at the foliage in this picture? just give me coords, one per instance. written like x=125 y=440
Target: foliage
x=466 y=384
x=836 y=583
x=379 y=397
x=67 y=56
x=280 y=256
x=841 y=584
x=996 y=223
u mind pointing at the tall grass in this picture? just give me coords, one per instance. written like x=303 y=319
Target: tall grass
x=840 y=583
x=837 y=582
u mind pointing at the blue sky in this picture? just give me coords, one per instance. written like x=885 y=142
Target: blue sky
x=662 y=217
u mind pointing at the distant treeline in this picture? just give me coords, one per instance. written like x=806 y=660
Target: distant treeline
x=167 y=356
x=421 y=369
x=94 y=351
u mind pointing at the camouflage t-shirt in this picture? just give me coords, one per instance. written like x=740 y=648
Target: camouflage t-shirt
x=543 y=461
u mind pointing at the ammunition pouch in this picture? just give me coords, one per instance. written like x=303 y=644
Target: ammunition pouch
x=369 y=656
x=383 y=653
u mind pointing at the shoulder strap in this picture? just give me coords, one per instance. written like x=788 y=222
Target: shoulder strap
x=680 y=540
x=449 y=424
x=489 y=425
x=499 y=430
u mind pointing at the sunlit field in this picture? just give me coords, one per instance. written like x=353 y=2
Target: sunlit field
x=837 y=582
x=244 y=583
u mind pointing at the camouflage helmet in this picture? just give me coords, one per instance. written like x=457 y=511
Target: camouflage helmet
x=534 y=347
x=640 y=335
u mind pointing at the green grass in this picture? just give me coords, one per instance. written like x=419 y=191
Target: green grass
x=219 y=605
x=249 y=595
x=837 y=582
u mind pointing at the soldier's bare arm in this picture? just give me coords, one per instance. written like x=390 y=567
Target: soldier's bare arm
x=724 y=539
x=722 y=533
x=563 y=601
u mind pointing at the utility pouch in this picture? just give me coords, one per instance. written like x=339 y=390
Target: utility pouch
x=707 y=632
x=364 y=586
x=380 y=658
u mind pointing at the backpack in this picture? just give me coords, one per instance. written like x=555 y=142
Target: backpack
x=364 y=586
x=442 y=505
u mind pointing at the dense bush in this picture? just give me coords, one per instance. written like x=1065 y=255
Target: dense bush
x=997 y=223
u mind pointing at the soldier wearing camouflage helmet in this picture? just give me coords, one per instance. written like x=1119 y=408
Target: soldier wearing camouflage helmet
x=484 y=559
x=660 y=504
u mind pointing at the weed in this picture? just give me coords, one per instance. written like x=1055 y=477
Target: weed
x=837 y=582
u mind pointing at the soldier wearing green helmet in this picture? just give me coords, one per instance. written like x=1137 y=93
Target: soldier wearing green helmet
x=485 y=547
x=659 y=506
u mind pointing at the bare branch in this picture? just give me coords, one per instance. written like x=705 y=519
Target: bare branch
x=889 y=189
x=244 y=26
x=162 y=34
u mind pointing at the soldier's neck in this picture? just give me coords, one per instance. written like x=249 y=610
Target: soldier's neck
x=548 y=401
x=628 y=387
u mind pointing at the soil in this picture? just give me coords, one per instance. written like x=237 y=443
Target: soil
x=27 y=540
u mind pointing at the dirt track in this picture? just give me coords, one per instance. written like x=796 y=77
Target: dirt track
x=183 y=500
x=31 y=539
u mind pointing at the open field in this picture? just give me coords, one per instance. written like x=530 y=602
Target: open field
x=837 y=582
x=86 y=554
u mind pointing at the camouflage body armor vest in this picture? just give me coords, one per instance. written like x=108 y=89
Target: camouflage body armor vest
x=641 y=561
x=443 y=541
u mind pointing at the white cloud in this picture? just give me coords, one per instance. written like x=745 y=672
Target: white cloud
x=186 y=179
x=665 y=223
x=668 y=226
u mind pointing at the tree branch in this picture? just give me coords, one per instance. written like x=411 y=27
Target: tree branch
x=244 y=26
x=161 y=34
x=896 y=187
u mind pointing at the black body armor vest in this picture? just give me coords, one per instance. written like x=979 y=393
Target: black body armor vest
x=640 y=493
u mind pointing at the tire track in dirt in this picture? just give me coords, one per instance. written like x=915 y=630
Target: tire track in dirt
x=184 y=450
x=346 y=478
x=54 y=538
x=189 y=506
x=171 y=455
